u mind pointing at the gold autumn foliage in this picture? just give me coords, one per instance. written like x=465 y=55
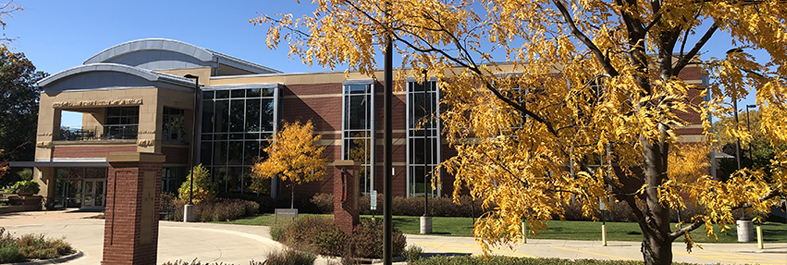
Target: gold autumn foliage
x=293 y=156
x=204 y=188
x=584 y=79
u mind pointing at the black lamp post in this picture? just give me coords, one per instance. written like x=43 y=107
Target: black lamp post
x=748 y=128
x=193 y=135
x=427 y=123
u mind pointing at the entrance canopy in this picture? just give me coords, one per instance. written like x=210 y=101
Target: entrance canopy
x=61 y=163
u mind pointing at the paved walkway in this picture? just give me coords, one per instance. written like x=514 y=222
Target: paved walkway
x=237 y=244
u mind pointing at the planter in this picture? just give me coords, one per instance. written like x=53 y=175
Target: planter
x=21 y=193
x=26 y=200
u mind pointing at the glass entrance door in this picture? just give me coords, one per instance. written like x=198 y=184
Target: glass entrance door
x=68 y=193
x=94 y=191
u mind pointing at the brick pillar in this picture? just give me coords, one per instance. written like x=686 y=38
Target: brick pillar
x=345 y=195
x=133 y=195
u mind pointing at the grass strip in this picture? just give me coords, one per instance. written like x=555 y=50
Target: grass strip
x=568 y=230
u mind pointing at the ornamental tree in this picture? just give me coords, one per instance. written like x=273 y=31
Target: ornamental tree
x=204 y=189
x=293 y=156
x=593 y=98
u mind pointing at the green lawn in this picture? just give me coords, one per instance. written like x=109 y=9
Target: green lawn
x=574 y=230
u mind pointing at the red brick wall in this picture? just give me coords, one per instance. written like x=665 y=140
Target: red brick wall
x=123 y=229
x=345 y=199
x=78 y=151
x=176 y=155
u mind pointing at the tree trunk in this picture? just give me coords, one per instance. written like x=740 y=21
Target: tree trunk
x=656 y=243
x=656 y=248
x=292 y=195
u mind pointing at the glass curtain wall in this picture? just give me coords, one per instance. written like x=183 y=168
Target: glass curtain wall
x=236 y=124
x=357 y=130
x=423 y=136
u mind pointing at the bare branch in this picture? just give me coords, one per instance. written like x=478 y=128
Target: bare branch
x=684 y=230
x=684 y=60
x=604 y=60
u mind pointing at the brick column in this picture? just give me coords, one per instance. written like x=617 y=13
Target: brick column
x=133 y=196
x=345 y=195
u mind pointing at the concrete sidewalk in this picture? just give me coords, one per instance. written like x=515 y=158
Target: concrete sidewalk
x=238 y=244
x=735 y=253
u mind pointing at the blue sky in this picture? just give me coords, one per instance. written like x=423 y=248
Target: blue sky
x=57 y=35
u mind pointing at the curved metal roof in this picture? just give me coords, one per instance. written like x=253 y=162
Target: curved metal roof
x=120 y=68
x=209 y=57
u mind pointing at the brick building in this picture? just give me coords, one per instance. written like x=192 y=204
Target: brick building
x=133 y=98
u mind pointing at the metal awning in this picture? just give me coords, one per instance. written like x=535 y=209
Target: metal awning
x=60 y=163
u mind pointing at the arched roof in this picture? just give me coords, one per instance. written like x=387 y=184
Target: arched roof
x=187 y=55
x=150 y=76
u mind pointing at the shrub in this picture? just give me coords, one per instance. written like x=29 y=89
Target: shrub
x=290 y=257
x=321 y=236
x=323 y=202
x=220 y=210
x=263 y=200
x=9 y=253
x=413 y=254
x=204 y=187
x=367 y=240
x=314 y=233
x=30 y=247
x=9 y=248
x=37 y=247
x=30 y=186
x=197 y=262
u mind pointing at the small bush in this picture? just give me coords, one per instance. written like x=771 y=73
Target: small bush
x=204 y=188
x=290 y=257
x=37 y=247
x=221 y=210
x=367 y=240
x=413 y=254
x=197 y=262
x=30 y=247
x=314 y=233
x=9 y=253
x=321 y=236
x=323 y=202
x=30 y=186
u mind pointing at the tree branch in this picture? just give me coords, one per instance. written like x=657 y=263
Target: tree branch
x=675 y=235
x=684 y=60
x=768 y=195
x=604 y=60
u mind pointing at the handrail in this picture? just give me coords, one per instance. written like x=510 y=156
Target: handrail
x=99 y=132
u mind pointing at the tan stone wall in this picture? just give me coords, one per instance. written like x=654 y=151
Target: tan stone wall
x=203 y=73
x=151 y=102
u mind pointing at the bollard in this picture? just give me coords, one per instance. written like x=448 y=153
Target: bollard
x=604 y=235
x=759 y=236
x=524 y=233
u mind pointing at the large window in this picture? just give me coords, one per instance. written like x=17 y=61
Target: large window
x=173 y=125
x=172 y=178
x=121 y=123
x=236 y=121
x=358 y=128
x=423 y=137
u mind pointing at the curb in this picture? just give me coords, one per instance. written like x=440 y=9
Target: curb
x=58 y=260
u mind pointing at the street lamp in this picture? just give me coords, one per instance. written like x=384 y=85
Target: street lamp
x=748 y=128
x=189 y=210
x=426 y=220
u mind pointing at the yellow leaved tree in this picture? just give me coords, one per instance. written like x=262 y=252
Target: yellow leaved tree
x=583 y=80
x=293 y=156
